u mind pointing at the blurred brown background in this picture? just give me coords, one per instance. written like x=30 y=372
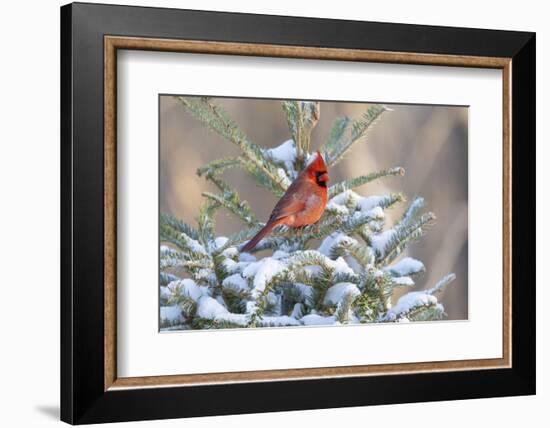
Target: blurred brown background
x=430 y=142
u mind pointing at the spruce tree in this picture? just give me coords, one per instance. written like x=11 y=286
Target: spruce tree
x=350 y=277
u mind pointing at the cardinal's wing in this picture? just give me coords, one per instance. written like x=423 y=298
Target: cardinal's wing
x=292 y=202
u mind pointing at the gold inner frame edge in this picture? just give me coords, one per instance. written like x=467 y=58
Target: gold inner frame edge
x=113 y=43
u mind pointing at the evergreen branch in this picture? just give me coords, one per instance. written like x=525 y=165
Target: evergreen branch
x=235 y=299
x=191 y=262
x=206 y=222
x=320 y=230
x=179 y=226
x=172 y=236
x=230 y=200
x=277 y=241
x=390 y=200
x=346 y=277
x=350 y=247
x=400 y=281
x=358 y=129
x=375 y=295
x=188 y=306
x=400 y=236
x=441 y=284
x=187 y=248
x=172 y=231
x=299 y=281
x=168 y=325
x=363 y=179
x=260 y=304
x=337 y=133
x=270 y=322
x=221 y=184
x=366 y=307
x=170 y=258
x=218 y=166
x=413 y=312
x=322 y=283
x=274 y=183
x=419 y=305
x=292 y=239
x=293 y=118
x=343 y=308
x=166 y=278
x=208 y=324
x=187 y=258
x=348 y=201
x=216 y=119
x=356 y=221
x=240 y=210
x=319 y=281
x=302 y=259
x=413 y=210
x=192 y=265
x=302 y=116
x=360 y=126
x=427 y=313
x=406 y=267
x=241 y=237
x=184 y=301
x=220 y=271
x=293 y=293
x=327 y=225
x=330 y=223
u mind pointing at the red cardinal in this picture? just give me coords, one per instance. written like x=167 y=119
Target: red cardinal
x=302 y=204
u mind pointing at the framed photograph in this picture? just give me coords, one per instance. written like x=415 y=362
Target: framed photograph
x=273 y=213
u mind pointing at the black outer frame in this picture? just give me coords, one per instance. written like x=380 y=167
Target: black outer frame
x=83 y=399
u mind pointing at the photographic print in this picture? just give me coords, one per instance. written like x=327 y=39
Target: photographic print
x=297 y=213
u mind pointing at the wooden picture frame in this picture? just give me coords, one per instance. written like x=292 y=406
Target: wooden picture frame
x=91 y=391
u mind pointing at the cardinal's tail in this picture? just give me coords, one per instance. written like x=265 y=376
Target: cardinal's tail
x=254 y=241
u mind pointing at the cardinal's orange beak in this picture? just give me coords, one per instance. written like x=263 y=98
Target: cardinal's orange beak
x=324 y=178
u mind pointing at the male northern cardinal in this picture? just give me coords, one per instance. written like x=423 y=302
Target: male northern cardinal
x=302 y=204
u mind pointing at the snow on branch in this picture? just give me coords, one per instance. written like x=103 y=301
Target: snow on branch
x=412 y=305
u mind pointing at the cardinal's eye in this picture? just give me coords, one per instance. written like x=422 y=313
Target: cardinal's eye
x=321 y=178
